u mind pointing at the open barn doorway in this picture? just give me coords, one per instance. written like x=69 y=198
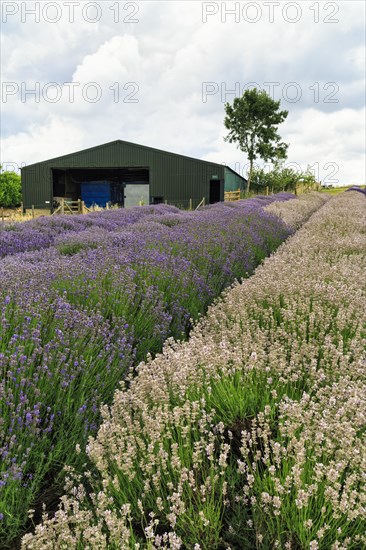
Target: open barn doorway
x=215 y=191
x=102 y=186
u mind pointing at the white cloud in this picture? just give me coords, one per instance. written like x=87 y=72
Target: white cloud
x=163 y=61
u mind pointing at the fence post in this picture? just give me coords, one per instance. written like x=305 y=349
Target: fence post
x=33 y=211
x=204 y=201
x=190 y=204
x=62 y=205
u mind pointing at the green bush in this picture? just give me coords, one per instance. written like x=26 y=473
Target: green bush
x=10 y=189
x=282 y=178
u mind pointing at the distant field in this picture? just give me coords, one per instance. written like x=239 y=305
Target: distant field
x=337 y=190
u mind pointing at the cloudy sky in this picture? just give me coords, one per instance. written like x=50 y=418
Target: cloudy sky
x=77 y=74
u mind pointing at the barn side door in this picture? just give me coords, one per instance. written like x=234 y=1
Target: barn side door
x=136 y=194
x=215 y=191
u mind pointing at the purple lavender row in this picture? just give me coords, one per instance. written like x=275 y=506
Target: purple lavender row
x=41 y=233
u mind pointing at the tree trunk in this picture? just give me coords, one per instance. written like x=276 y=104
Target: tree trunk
x=250 y=175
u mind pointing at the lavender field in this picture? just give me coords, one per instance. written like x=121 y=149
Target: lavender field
x=83 y=300
x=251 y=435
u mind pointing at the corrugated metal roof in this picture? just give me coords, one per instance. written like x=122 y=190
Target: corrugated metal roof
x=131 y=144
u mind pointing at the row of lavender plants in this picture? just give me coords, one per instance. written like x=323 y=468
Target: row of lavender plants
x=250 y=435
x=44 y=231
x=77 y=315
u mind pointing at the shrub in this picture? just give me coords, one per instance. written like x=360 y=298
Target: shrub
x=10 y=189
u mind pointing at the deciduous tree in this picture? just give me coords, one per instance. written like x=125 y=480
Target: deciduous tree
x=252 y=121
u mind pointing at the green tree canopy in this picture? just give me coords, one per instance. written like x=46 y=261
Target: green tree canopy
x=283 y=178
x=252 y=122
x=10 y=189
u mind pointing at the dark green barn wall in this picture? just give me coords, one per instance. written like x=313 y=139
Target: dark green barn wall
x=233 y=181
x=173 y=177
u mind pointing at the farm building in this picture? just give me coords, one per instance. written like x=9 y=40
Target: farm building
x=126 y=174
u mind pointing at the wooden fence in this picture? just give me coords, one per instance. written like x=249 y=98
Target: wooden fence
x=230 y=196
x=71 y=207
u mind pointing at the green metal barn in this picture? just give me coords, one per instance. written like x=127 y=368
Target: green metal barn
x=126 y=174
